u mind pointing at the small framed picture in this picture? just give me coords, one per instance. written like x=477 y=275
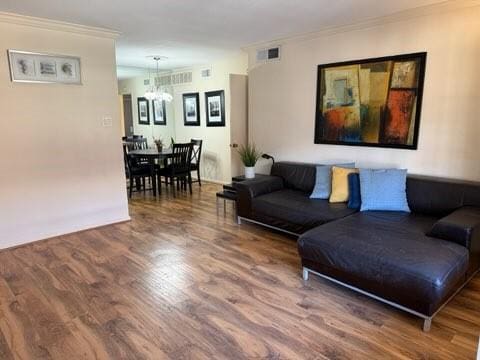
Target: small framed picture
x=143 y=111
x=43 y=68
x=215 y=108
x=159 y=113
x=191 y=113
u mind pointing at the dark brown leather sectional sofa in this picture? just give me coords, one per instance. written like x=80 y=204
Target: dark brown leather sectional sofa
x=414 y=261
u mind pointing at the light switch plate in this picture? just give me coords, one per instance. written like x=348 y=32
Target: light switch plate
x=107 y=121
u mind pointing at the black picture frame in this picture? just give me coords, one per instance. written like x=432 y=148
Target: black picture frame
x=143 y=111
x=215 y=116
x=191 y=116
x=322 y=133
x=163 y=120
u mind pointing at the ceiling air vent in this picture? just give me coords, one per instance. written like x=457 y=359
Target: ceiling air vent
x=268 y=54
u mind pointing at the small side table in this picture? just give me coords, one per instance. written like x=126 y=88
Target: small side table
x=242 y=177
x=227 y=195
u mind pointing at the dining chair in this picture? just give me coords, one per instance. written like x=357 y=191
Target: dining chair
x=136 y=173
x=141 y=144
x=178 y=170
x=135 y=142
x=196 y=157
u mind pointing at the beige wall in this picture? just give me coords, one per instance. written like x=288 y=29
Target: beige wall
x=282 y=95
x=216 y=140
x=61 y=170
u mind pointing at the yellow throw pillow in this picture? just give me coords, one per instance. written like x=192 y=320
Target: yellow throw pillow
x=340 y=184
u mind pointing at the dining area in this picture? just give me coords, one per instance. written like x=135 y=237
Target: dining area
x=152 y=167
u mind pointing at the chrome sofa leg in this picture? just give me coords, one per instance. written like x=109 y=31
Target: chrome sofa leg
x=239 y=220
x=427 y=324
x=305 y=274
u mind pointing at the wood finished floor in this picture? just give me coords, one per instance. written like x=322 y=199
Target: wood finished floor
x=178 y=282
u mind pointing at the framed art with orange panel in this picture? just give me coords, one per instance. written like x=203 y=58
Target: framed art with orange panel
x=371 y=102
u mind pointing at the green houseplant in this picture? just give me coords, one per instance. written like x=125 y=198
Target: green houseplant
x=249 y=156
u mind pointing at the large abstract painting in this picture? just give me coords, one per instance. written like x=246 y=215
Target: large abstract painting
x=373 y=102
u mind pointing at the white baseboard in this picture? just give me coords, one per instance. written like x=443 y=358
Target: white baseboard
x=34 y=233
x=220 y=182
x=478 y=350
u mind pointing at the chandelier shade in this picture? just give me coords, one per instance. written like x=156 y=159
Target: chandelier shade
x=155 y=92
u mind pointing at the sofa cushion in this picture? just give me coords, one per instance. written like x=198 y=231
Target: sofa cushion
x=384 y=189
x=340 y=191
x=295 y=176
x=296 y=208
x=388 y=254
x=354 y=198
x=323 y=180
x=437 y=196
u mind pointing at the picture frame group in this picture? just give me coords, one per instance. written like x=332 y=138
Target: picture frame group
x=214 y=108
x=159 y=112
x=32 y=67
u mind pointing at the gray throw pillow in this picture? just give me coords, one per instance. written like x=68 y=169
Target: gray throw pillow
x=323 y=180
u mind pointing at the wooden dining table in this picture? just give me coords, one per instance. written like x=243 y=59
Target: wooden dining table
x=151 y=155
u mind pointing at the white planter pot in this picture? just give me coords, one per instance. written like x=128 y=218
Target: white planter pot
x=249 y=172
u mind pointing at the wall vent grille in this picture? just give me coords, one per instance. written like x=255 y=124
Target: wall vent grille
x=171 y=79
x=268 y=54
x=182 y=78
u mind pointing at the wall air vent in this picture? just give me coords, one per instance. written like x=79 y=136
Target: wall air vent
x=164 y=80
x=182 y=78
x=174 y=79
x=206 y=73
x=268 y=54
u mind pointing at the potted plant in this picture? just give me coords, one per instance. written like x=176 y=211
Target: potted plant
x=158 y=144
x=249 y=156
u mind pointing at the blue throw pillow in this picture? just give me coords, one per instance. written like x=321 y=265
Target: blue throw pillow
x=323 y=180
x=354 y=198
x=384 y=190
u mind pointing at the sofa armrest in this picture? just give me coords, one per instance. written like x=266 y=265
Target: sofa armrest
x=462 y=227
x=259 y=186
x=249 y=189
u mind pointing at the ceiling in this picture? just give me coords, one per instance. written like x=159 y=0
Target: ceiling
x=192 y=32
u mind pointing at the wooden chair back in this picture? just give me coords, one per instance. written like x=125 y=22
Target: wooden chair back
x=181 y=158
x=196 y=151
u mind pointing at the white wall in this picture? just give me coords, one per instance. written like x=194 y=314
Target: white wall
x=282 y=94
x=61 y=170
x=136 y=88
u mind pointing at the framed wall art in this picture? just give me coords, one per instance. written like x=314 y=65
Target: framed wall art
x=33 y=67
x=191 y=113
x=371 y=102
x=215 y=108
x=143 y=111
x=159 y=112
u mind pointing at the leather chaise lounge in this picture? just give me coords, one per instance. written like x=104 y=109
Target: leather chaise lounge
x=414 y=261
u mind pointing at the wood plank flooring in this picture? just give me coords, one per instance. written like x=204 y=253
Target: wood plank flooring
x=178 y=282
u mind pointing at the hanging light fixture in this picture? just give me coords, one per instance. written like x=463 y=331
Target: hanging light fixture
x=155 y=92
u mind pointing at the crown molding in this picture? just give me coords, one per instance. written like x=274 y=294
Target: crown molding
x=48 y=24
x=438 y=8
